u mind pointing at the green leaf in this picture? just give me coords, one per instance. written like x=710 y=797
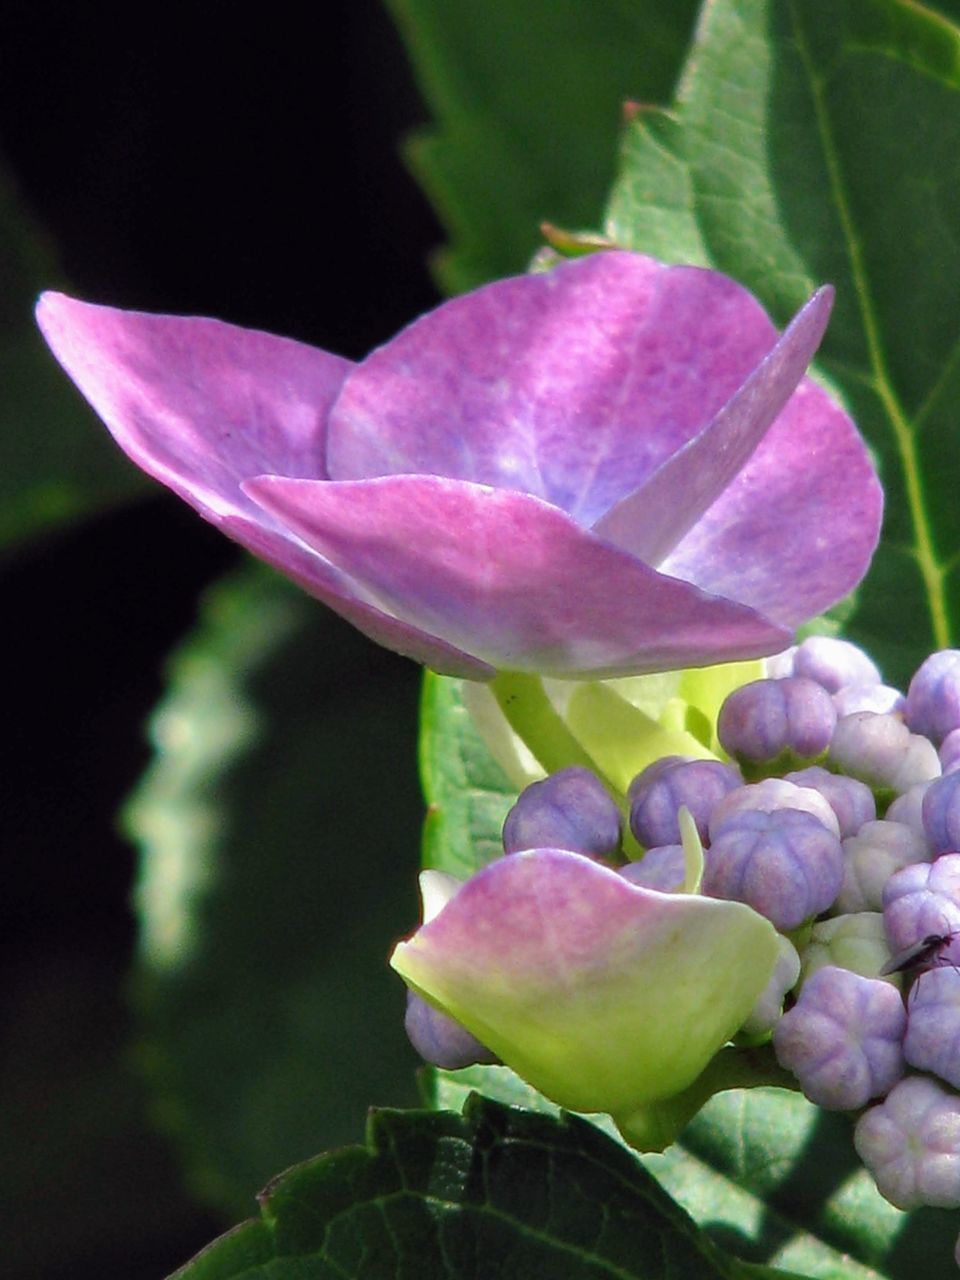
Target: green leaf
x=527 y=97
x=496 y=1192
x=56 y=460
x=769 y=1176
x=277 y=825
x=467 y=793
x=816 y=141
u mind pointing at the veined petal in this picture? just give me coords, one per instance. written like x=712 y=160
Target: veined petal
x=795 y=531
x=603 y=995
x=653 y=519
x=201 y=406
x=325 y=582
x=198 y=404
x=511 y=579
x=574 y=385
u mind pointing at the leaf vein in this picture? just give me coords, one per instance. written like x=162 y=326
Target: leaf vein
x=899 y=424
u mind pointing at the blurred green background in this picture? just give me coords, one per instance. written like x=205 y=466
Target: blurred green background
x=177 y=160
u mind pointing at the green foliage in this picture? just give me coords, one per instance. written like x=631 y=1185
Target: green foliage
x=466 y=791
x=526 y=98
x=771 y=1178
x=495 y=1193
x=815 y=141
x=56 y=461
x=275 y=827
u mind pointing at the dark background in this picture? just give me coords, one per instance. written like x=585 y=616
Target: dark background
x=184 y=160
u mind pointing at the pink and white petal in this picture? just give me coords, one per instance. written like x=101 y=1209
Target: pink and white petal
x=198 y=404
x=201 y=405
x=603 y=995
x=796 y=529
x=651 y=521
x=574 y=385
x=511 y=579
x=322 y=580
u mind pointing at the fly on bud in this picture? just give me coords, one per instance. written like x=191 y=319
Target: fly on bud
x=922 y=955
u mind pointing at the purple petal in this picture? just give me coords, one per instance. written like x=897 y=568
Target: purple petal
x=198 y=404
x=510 y=579
x=202 y=406
x=654 y=518
x=601 y=994
x=794 y=532
x=574 y=385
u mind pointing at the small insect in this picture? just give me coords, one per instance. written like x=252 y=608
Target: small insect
x=920 y=956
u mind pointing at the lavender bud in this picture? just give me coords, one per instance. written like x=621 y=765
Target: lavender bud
x=908 y=809
x=856 y=942
x=950 y=752
x=662 y=868
x=941 y=813
x=911 y=1145
x=834 y=663
x=881 y=751
x=769 y=720
x=849 y=798
x=765 y=1014
x=871 y=857
x=440 y=1039
x=921 y=901
x=933 y=1020
x=933 y=698
x=780 y=665
x=869 y=697
x=656 y=798
x=784 y=864
x=569 y=810
x=843 y=1039
x=768 y=796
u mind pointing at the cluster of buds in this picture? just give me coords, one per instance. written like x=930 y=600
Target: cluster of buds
x=831 y=812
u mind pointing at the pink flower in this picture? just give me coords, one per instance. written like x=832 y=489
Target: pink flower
x=611 y=468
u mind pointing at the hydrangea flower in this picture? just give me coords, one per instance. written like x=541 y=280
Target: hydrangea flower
x=563 y=473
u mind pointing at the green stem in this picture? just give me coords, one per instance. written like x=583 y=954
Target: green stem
x=533 y=717
x=656 y=1126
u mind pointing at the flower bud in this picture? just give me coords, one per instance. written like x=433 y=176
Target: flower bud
x=950 y=752
x=879 y=698
x=843 y=1039
x=941 y=813
x=784 y=864
x=933 y=1019
x=911 y=1144
x=834 y=663
x=571 y=809
x=881 y=751
x=769 y=795
x=439 y=1039
x=921 y=901
x=933 y=698
x=658 y=793
x=780 y=665
x=870 y=859
x=662 y=868
x=908 y=809
x=856 y=942
x=765 y=1014
x=849 y=798
x=771 y=720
